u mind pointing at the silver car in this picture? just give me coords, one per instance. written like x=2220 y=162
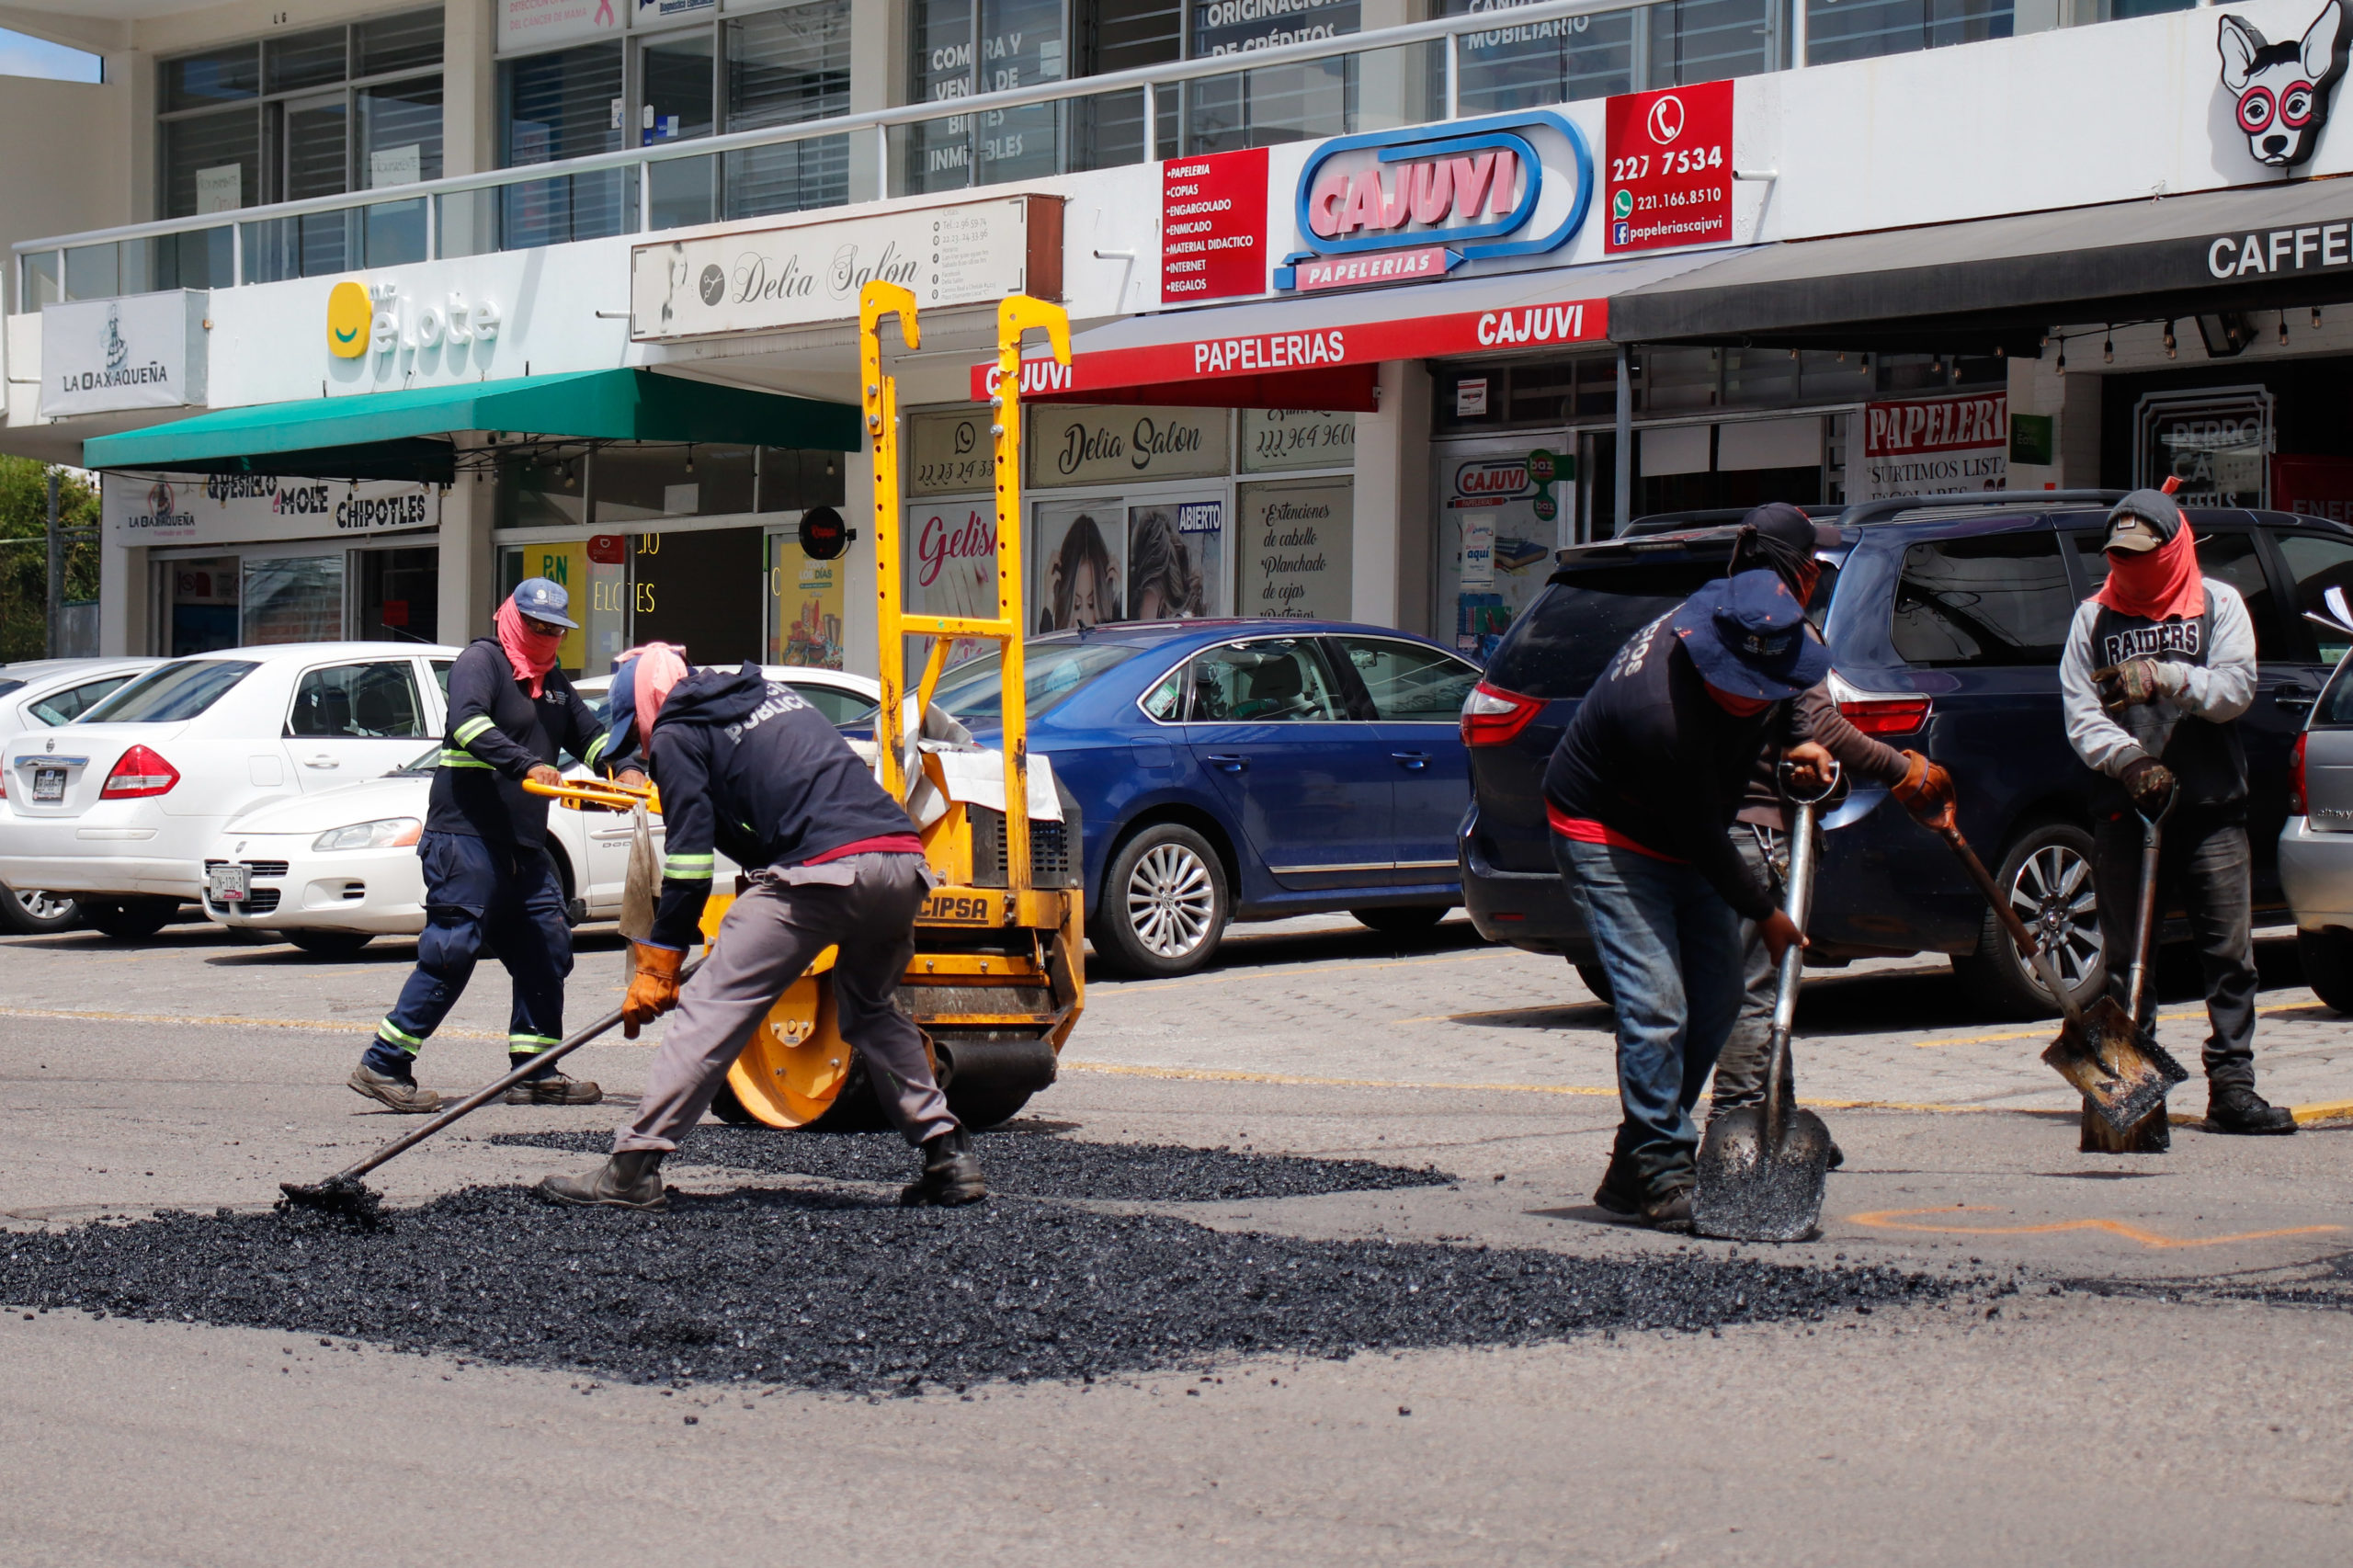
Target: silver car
x=2316 y=845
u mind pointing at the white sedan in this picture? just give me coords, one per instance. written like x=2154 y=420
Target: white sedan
x=120 y=808
x=36 y=694
x=330 y=870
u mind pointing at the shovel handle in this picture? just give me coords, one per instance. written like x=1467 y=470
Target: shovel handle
x=2029 y=948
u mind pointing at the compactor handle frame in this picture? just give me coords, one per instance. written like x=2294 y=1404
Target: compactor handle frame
x=1016 y=315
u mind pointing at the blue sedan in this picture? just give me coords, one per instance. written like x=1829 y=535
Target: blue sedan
x=1244 y=771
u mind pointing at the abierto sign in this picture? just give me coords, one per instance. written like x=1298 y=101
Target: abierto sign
x=758 y=279
x=139 y=351
x=1934 y=447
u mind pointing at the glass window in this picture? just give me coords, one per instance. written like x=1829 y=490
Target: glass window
x=203 y=597
x=839 y=706
x=399 y=132
x=1562 y=60
x=564 y=105
x=1269 y=681
x=63 y=707
x=2227 y=555
x=1166 y=701
x=442 y=675
x=294 y=598
x=1408 y=681
x=1050 y=672
x=400 y=595
x=306 y=60
x=370 y=701
x=211 y=163
x=939 y=154
x=1561 y=642
x=1995 y=599
x=172 y=692
x=1858 y=29
x=784 y=67
x=1705 y=40
x=2316 y=564
x=216 y=77
x=409 y=42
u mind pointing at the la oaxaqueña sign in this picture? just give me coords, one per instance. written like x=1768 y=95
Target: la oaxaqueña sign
x=1397 y=206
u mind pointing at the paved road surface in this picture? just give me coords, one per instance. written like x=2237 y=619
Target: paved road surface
x=2159 y=1422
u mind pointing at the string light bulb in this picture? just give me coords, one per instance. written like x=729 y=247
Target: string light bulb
x=2108 y=348
x=2315 y=318
x=2169 y=343
x=2063 y=355
x=2283 y=329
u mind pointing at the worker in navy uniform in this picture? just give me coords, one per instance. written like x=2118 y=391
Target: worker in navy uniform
x=746 y=768
x=489 y=884
x=2159 y=665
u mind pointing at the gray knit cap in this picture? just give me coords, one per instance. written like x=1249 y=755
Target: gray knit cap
x=2142 y=522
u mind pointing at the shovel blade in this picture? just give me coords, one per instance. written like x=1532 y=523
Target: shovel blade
x=2121 y=1072
x=1749 y=1192
x=337 y=1194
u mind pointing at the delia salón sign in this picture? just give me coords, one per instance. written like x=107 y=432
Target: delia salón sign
x=1393 y=205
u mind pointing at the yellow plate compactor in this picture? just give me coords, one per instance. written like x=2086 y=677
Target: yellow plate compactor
x=998 y=975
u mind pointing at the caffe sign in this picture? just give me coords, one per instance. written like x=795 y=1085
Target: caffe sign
x=1078 y=444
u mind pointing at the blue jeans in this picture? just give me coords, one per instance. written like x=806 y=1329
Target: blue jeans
x=1671 y=946
x=482 y=897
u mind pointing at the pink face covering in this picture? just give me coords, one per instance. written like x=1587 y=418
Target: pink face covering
x=2156 y=585
x=660 y=666
x=530 y=652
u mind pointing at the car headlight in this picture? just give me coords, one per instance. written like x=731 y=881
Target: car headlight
x=385 y=833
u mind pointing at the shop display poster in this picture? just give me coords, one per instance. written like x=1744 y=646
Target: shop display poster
x=1492 y=529
x=808 y=608
x=1176 y=559
x=1077 y=564
x=1934 y=446
x=951 y=570
x=1297 y=550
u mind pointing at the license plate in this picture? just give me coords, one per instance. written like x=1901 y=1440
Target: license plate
x=948 y=908
x=49 y=784
x=228 y=884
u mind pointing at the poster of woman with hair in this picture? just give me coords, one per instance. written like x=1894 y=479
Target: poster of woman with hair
x=1076 y=576
x=1175 y=560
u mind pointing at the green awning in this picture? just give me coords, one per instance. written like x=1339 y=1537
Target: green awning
x=405 y=435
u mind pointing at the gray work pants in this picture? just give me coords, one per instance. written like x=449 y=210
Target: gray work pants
x=867 y=905
x=2202 y=858
x=1740 y=1070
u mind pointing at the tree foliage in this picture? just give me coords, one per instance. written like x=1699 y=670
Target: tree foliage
x=24 y=568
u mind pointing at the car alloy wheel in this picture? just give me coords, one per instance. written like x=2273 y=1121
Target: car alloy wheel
x=2052 y=892
x=1172 y=904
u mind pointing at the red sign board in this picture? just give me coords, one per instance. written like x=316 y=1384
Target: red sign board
x=1314 y=348
x=1937 y=425
x=2312 y=486
x=1668 y=175
x=1212 y=220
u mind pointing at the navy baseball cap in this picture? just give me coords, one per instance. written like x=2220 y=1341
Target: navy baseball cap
x=543 y=600
x=1749 y=636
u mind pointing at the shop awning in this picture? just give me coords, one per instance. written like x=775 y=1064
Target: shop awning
x=406 y=434
x=1322 y=350
x=2003 y=280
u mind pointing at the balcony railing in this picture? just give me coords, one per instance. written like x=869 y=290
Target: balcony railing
x=1515 y=57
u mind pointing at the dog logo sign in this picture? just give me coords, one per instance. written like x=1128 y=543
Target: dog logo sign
x=2283 y=88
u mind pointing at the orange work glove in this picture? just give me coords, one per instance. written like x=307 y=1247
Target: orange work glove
x=653 y=989
x=1926 y=791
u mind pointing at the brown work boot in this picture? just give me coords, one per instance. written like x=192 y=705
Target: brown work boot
x=402 y=1093
x=626 y=1181
x=553 y=1088
x=952 y=1174
x=1668 y=1209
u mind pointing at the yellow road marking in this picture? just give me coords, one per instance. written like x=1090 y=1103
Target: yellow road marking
x=1220 y=1076
x=2046 y=1032
x=1894 y=1219
x=333 y=1026
x=1287 y=973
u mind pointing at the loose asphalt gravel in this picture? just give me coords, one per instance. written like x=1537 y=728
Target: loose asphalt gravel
x=832 y=1291
x=1027 y=1163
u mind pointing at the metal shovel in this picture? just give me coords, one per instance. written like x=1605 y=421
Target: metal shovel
x=1763 y=1167
x=2123 y=1073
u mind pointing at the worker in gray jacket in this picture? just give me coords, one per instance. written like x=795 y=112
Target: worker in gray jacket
x=2160 y=664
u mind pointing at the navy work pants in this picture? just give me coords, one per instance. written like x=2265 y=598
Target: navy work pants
x=483 y=896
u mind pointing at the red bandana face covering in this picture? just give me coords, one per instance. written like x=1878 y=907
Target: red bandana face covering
x=2156 y=585
x=530 y=652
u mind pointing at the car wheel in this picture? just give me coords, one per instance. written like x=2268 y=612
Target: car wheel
x=36 y=913
x=330 y=944
x=2327 y=958
x=1165 y=904
x=1597 y=979
x=1403 y=921
x=2048 y=876
x=128 y=919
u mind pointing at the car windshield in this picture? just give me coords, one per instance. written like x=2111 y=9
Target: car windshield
x=180 y=691
x=7 y=686
x=1559 y=644
x=1052 y=672
x=839 y=706
x=422 y=765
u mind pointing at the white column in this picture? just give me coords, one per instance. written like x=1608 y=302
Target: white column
x=123 y=596
x=469 y=86
x=469 y=563
x=1390 y=504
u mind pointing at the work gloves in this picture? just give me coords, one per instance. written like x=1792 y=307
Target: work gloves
x=2136 y=681
x=1926 y=791
x=653 y=989
x=2149 y=782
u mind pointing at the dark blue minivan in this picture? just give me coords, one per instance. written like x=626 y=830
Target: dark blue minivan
x=1945 y=617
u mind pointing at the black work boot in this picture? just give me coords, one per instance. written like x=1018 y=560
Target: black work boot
x=952 y=1174
x=1668 y=1207
x=2237 y=1108
x=552 y=1087
x=626 y=1181
x=1620 y=1192
x=399 y=1093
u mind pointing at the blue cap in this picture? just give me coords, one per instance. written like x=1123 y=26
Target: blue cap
x=543 y=600
x=1749 y=636
x=620 y=710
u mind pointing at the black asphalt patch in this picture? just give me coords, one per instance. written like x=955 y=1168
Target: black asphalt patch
x=1027 y=1163
x=825 y=1291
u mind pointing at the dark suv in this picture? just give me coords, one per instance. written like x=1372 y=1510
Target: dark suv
x=1945 y=618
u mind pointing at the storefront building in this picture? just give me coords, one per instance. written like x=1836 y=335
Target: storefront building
x=1367 y=330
